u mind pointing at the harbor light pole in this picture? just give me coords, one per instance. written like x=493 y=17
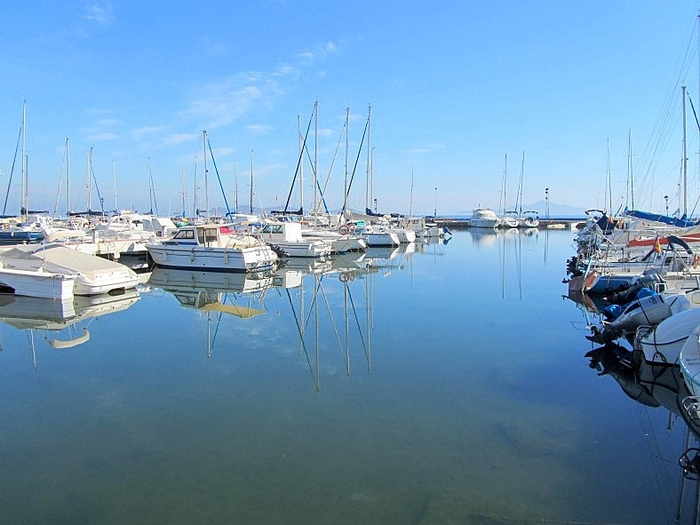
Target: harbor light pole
x=435 y=204
x=666 y=199
x=546 y=203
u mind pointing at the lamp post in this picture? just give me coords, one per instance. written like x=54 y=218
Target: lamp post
x=435 y=204
x=546 y=203
x=666 y=199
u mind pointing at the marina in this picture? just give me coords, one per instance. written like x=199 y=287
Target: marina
x=444 y=381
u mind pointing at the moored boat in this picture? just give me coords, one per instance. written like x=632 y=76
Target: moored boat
x=92 y=275
x=483 y=218
x=213 y=247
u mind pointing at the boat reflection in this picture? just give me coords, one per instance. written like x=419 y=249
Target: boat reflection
x=325 y=319
x=239 y=294
x=329 y=307
x=657 y=385
x=62 y=324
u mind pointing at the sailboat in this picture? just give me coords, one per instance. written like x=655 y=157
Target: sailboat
x=527 y=218
x=508 y=219
x=12 y=231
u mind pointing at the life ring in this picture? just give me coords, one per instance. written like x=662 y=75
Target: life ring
x=343 y=229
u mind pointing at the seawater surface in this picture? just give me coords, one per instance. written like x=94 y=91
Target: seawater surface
x=439 y=384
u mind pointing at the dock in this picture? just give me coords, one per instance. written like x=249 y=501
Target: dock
x=568 y=223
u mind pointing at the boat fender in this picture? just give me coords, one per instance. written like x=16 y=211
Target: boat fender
x=343 y=229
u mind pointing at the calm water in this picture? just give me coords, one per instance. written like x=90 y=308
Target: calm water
x=443 y=386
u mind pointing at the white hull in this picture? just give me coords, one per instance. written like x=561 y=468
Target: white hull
x=206 y=258
x=690 y=362
x=663 y=343
x=40 y=284
x=483 y=218
x=91 y=275
x=175 y=279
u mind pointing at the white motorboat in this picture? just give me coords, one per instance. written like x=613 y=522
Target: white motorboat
x=37 y=283
x=378 y=236
x=663 y=342
x=342 y=240
x=647 y=310
x=287 y=239
x=690 y=362
x=483 y=218
x=213 y=247
x=91 y=275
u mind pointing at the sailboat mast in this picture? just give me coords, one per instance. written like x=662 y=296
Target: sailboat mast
x=235 y=186
x=302 y=145
x=520 y=186
x=206 y=172
x=25 y=181
x=685 y=161
x=370 y=182
x=630 y=176
x=114 y=177
x=68 y=206
x=316 y=206
x=608 y=180
x=89 y=180
x=251 y=182
x=347 y=145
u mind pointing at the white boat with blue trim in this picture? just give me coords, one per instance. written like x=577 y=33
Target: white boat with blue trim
x=213 y=247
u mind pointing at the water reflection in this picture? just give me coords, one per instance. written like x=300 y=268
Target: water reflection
x=62 y=324
x=658 y=385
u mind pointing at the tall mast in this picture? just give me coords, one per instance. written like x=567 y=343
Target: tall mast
x=630 y=176
x=370 y=183
x=251 y=182
x=235 y=187
x=316 y=205
x=89 y=180
x=685 y=162
x=608 y=181
x=114 y=177
x=302 y=145
x=25 y=181
x=347 y=145
x=206 y=175
x=68 y=206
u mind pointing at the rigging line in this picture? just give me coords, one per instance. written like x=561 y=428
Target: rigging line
x=332 y=320
x=301 y=156
x=12 y=170
x=313 y=170
x=301 y=337
x=357 y=160
x=335 y=155
x=357 y=322
x=218 y=177
x=313 y=302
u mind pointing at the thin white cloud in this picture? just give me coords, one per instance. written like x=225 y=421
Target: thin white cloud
x=100 y=12
x=102 y=137
x=178 y=138
x=426 y=148
x=258 y=129
x=144 y=131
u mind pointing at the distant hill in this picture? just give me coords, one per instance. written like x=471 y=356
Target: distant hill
x=556 y=210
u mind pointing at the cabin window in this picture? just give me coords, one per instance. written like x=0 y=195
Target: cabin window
x=184 y=234
x=210 y=235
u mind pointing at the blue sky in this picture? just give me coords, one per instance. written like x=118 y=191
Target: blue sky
x=454 y=86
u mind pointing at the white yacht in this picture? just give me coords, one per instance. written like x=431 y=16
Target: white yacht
x=213 y=247
x=483 y=218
